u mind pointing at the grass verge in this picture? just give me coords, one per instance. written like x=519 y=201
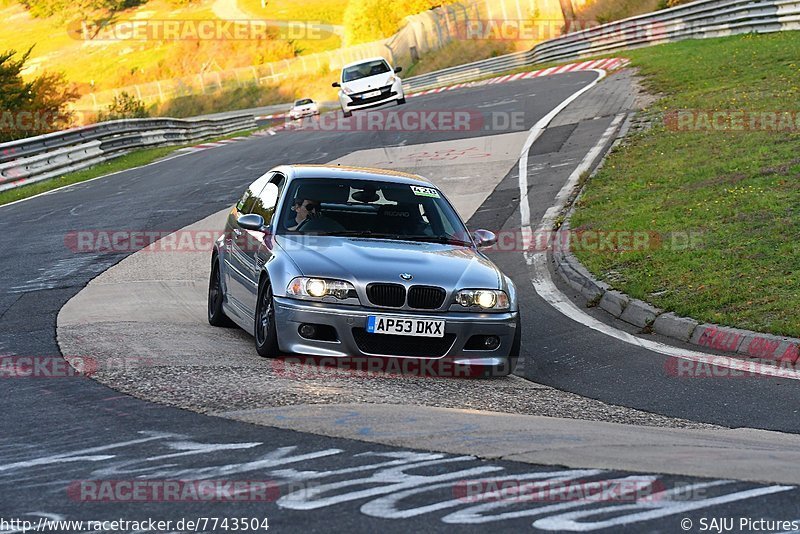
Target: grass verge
x=134 y=159
x=736 y=192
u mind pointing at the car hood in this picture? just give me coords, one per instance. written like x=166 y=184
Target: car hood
x=362 y=260
x=370 y=82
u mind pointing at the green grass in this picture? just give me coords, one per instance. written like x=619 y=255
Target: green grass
x=738 y=191
x=136 y=158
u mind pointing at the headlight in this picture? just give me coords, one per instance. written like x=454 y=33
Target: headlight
x=488 y=299
x=316 y=287
x=346 y=90
x=320 y=288
x=392 y=79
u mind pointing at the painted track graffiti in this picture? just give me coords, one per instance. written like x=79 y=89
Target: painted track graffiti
x=386 y=484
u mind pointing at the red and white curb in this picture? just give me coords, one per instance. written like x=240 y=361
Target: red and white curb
x=214 y=144
x=608 y=64
x=267 y=117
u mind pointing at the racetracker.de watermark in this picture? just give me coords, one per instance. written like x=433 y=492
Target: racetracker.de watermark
x=32 y=121
x=629 y=489
x=312 y=367
x=139 y=490
x=722 y=367
x=442 y=120
x=67 y=366
x=539 y=29
x=700 y=120
x=512 y=240
x=197 y=30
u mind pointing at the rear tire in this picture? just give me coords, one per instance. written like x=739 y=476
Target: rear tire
x=216 y=316
x=265 y=332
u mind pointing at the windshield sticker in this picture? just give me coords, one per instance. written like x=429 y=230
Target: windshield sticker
x=425 y=191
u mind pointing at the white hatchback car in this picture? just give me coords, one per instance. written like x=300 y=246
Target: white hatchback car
x=368 y=83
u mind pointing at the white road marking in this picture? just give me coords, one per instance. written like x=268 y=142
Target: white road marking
x=535 y=132
x=388 y=506
x=480 y=513
x=563 y=195
x=395 y=479
x=82 y=455
x=398 y=484
x=544 y=286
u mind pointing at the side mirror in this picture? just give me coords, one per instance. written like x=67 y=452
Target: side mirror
x=398 y=69
x=251 y=221
x=336 y=84
x=484 y=238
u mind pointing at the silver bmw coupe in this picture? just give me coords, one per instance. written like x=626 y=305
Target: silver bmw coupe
x=349 y=262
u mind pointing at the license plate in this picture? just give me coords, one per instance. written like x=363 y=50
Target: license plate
x=371 y=94
x=405 y=326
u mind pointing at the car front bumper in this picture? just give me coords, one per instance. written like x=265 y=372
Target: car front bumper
x=349 y=104
x=301 y=114
x=348 y=321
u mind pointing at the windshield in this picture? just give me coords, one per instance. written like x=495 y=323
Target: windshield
x=363 y=70
x=303 y=102
x=370 y=209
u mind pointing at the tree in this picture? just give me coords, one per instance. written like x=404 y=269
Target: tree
x=82 y=8
x=34 y=107
x=124 y=106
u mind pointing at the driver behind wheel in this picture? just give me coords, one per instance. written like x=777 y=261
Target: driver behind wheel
x=303 y=209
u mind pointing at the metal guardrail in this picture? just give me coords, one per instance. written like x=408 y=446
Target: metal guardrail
x=696 y=20
x=46 y=156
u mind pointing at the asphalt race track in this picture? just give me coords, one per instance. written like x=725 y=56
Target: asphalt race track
x=64 y=430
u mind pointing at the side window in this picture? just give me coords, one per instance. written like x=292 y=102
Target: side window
x=265 y=204
x=250 y=196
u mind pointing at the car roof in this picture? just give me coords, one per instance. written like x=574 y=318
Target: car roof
x=367 y=60
x=353 y=173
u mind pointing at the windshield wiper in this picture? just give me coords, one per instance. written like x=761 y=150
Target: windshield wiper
x=360 y=233
x=443 y=239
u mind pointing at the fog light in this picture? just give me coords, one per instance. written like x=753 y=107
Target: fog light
x=491 y=342
x=308 y=331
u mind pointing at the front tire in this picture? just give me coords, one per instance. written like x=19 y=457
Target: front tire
x=265 y=332
x=347 y=114
x=401 y=101
x=216 y=316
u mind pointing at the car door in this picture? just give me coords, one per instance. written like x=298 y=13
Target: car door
x=236 y=244
x=257 y=246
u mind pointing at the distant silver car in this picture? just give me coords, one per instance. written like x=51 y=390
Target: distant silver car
x=305 y=107
x=349 y=262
